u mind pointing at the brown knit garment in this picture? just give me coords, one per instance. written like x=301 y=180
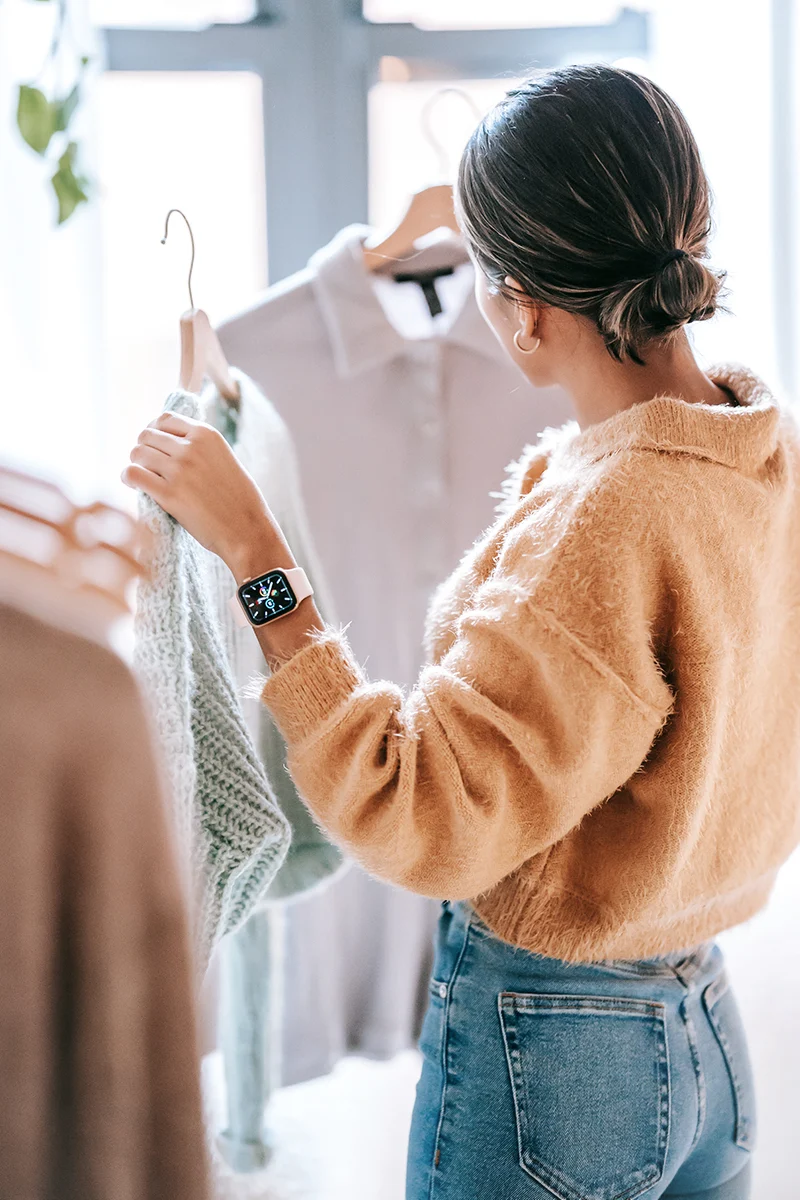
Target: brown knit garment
x=604 y=756
x=99 y=1087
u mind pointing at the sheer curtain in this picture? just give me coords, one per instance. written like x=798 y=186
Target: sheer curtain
x=51 y=327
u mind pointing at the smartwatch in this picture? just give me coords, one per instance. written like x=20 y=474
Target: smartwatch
x=270 y=597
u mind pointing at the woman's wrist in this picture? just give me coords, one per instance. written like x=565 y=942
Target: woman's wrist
x=281 y=640
x=263 y=548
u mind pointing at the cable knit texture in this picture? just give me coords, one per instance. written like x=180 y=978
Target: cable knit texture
x=603 y=754
x=230 y=831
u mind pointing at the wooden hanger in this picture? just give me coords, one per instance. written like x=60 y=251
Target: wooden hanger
x=430 y=209
x=68 y=563
x=202 y=356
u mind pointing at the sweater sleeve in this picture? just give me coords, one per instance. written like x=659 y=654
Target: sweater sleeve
x=497 y=753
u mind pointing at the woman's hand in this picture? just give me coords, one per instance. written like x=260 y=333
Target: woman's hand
x=190 y=470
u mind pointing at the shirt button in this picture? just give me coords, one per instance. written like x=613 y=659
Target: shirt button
x=443 y=990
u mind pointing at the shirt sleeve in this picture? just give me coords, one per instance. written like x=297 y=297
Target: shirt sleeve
x=497 y=753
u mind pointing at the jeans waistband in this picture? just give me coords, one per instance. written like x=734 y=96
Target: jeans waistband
x=684 y=964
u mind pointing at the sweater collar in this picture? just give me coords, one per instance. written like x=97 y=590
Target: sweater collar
x=740 y=436
x=361 y=334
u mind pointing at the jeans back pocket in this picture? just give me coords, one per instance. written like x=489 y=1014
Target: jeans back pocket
x=590 y=1081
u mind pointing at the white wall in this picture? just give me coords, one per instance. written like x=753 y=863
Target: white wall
x=714 y=57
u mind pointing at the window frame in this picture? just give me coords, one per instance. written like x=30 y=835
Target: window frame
x=317 y=68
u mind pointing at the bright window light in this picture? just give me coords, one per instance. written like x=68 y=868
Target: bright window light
x=417 y=131
x=170 y=14
x=194 y=141
x=493 y=14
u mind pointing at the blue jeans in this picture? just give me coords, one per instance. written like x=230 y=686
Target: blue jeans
x=596 y=1081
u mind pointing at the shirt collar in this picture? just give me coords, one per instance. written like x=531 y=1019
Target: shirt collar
x=362 y=337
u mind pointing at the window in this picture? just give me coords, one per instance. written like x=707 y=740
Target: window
x=417 y=130
x=317 y=78
x=170 y=14
x=493 y=14
x=345 y=140
x=204 y=138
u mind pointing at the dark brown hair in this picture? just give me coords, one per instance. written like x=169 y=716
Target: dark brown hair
x=585 y=185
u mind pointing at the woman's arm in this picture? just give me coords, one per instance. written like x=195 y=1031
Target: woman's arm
x=497 y=753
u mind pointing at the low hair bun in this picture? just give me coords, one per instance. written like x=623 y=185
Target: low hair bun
x=681 y=290
x=585 y=186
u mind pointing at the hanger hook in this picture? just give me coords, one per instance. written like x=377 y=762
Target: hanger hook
x=191 y=236
x=427 y=126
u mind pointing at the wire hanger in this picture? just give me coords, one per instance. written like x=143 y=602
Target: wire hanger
x=428 y=210
x=202 y=355
x=426 y=124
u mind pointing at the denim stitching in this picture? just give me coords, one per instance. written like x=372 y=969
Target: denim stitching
x=510 y=1003
x=685 y=970
x=635 y=970
x=621 y=1005
x=691 y=1034
x=689 y=968
x=518 y=1117
x=714 y=992
x=664 y=1091
x=445 y=1071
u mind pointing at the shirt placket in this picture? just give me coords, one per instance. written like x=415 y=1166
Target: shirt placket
x=430 y=483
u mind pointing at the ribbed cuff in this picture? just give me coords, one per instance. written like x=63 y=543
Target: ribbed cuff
x=307 y=689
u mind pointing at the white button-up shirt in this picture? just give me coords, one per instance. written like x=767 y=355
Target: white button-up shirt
x=401 y=439
x=403 y=425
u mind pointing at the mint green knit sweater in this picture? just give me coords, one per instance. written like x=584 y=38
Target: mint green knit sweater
x=231 y=834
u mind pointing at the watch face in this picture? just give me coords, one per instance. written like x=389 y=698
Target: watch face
x=268 y=597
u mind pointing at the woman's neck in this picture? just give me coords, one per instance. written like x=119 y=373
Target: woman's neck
x=600 y=386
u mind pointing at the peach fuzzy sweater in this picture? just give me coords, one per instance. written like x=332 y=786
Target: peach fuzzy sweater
x=604 y=754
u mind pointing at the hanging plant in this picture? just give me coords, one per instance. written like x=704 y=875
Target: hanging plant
x=45 y=121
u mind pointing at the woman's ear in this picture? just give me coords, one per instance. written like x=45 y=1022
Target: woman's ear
x=526 y=315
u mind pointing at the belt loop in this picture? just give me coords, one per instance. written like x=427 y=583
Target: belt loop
x=690 y=967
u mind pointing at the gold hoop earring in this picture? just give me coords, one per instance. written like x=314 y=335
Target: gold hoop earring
x=536 y=344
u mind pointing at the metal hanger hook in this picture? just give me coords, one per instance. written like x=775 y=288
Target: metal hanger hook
x=191 y=237
x=427 y=126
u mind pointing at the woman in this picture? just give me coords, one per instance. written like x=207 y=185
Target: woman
x=599 y=769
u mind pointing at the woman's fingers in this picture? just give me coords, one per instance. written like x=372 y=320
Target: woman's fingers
x=139 y=478
x=165 y=443
x=175 y=423
x=152 y=459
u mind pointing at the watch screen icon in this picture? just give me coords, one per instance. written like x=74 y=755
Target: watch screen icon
x=268 y=597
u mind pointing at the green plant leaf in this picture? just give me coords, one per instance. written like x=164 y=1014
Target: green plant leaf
x=65 y=108
x=36 y=118
x=70 y=189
